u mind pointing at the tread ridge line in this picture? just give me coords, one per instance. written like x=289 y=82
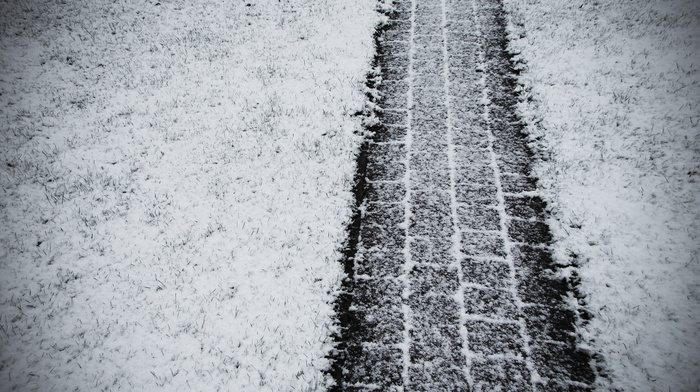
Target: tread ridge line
x=408 y=262
x=501 y=207
x=457 y=232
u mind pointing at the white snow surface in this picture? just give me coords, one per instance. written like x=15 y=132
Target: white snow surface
x=175 y=185
x=611 y=97
x=176 y=182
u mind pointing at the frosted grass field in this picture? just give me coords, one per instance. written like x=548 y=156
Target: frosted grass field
x=611 y=95
x=175 y=183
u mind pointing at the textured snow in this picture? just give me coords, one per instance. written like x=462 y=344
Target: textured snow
x=611 y=96
x=175 y=185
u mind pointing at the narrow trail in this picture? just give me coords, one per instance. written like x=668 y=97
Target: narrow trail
x=451 y=282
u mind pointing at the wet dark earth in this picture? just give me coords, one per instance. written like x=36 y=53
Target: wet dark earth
x=451 y=284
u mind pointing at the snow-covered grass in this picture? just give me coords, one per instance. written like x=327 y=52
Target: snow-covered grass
x=611 y=94
x=176 y=182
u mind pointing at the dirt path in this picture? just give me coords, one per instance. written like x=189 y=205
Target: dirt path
x=452 y=286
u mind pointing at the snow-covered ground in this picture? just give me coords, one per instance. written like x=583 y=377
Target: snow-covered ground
x=612 y=96
x=176 y=182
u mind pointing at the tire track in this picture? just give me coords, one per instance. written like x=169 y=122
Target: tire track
x=451 y=284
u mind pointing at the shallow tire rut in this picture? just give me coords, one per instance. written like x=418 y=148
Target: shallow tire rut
x=451 y=282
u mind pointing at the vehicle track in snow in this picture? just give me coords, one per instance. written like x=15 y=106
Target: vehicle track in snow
x=451 y=284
